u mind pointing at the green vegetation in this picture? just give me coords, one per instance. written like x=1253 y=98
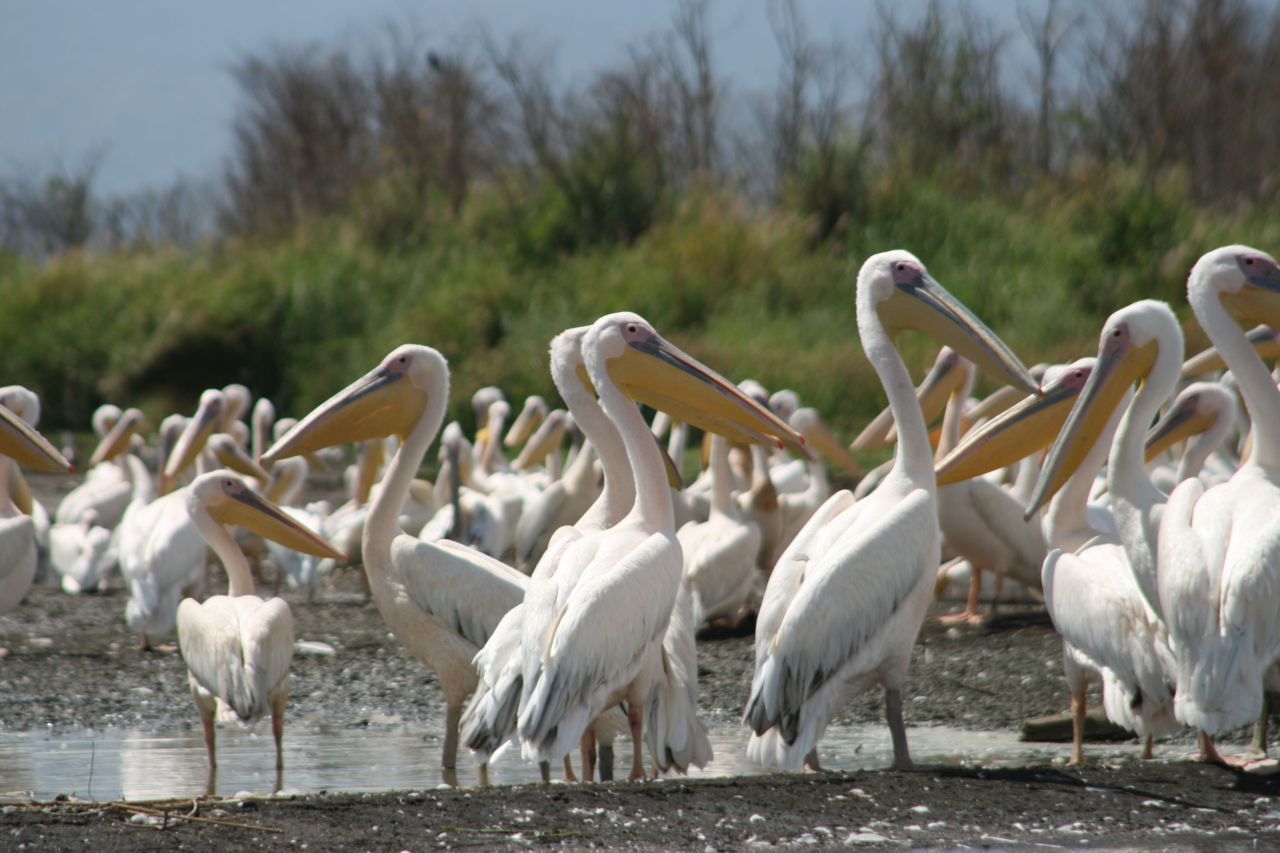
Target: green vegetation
x=749 y=293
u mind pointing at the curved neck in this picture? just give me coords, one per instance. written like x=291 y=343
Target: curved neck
x=913 y=455
x=619 y=493
x=383 y=522
x=1200 y=448
x=224 y=545
x=1255 y=384
x=721 y=476
x=653 y=495
x=1127 y=477
x=1066 y=521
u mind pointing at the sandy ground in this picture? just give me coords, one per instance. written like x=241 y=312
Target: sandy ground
x=73 y=664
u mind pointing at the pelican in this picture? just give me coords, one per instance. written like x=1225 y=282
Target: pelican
x=20 y=444
x=491 y=716
x=25 y=403
x=1219 y=548
x=442 y=600
x=237 y=647
x=1203 y=415
x=106 y=487
x=846 y=600
x=593 y=632
x=1103 y=598
x=981 y=521
x=720 y=554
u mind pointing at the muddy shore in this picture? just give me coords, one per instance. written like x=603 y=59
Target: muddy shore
x=73 y=665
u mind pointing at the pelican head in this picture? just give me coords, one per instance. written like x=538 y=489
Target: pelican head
x=229 y=500
x=22 y=401
x=104 y=418
x=205 y=422
x=237 y=399
x=1136 y=341
x=21 y=443
x=1246 y=280
x=120 y=438
x=898 y=288
x=549 y=436
x=651 y=370
x=784 y=403
x=388 y=400
x=1020 y=430
x=481 y=400
x=230 y=454
x=1197 y=409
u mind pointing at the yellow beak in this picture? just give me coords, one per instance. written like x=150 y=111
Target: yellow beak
x=257 y=514
x=378 y=404
x=21 y=443
x=924 y=305
x=1180 y=423
x=657 y=374
x=820 y=438
x=549 y=436
x=1112 y=378
x=193 y=439
x=230 y=455
x=119 y=438
x=530 y=418
x=1015 y=433
x=1264 y=340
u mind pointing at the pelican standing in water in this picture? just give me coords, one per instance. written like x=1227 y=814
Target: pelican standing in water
x=847 y=598
x=593 y=633
x=238 y=647
x=1219 y=548
x=442 y=600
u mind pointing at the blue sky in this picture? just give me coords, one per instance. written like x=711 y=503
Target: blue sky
x=146 y=82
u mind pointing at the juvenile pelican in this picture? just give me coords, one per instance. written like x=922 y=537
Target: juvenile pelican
x=1219 y=548
x=238 y=647
x=442 y=600
x=846 y=600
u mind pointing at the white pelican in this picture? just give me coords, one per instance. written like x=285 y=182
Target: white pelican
x=238 y=647
x=980 y=520
x=20 y=444
x=720 y=554
x=1203 y=415
x=1219 y=548
x=1104 y=600
x=491 y=716
x=593 y=633
x=442 y=600
x=846 y=600
x=106 y=487
x=160 y=549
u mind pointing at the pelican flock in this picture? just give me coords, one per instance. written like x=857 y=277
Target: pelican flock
x=556 y=576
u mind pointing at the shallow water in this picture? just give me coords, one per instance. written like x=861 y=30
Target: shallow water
x=115 y=763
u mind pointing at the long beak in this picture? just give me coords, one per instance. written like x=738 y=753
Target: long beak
x=549 y=436
x=20 y=491
x=819 y=436
x=530 y=418
x=376 y=405
x=1264 y=340
x=1010 y=436
x=674 y=480
x=373 y=452
x=1180 y=423
x=230 y=455
x=1111 y=380
x=255 y=513
x=924 y=305
x=1258 y=301
x=875 y=434
x=994 y=403
x=193 y=439
x=21 y=443
x=119 y=439
x=660 y=375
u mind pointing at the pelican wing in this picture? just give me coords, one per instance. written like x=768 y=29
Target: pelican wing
x=1097 y=607
x=839 y=511
x=239 y=649
x=843 y=600
x=613 y=614
x=720 y=558
x=463 y=588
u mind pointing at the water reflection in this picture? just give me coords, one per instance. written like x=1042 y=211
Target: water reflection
x=127 y=764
